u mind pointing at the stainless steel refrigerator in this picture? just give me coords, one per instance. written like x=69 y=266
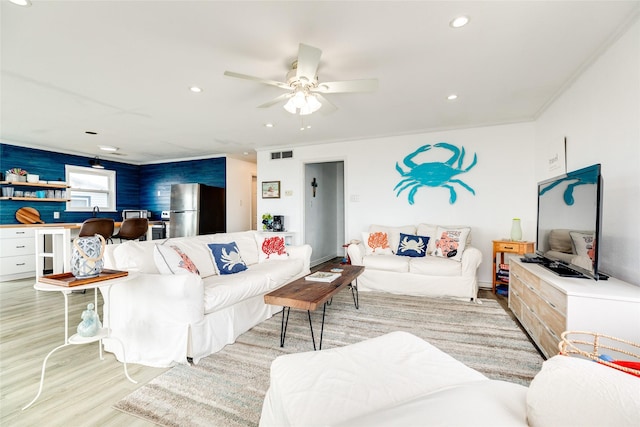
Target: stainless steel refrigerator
x=197 y=209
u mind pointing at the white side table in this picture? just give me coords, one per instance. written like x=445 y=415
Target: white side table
x=76 y=339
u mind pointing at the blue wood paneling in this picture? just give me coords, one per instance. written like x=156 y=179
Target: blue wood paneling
x=137 y=187
x=156 y=180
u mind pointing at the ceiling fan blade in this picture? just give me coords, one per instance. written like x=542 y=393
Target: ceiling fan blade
x=364 y=85
x=308 y=60
x=327 y=106
x=275 y=100
x=257 y=79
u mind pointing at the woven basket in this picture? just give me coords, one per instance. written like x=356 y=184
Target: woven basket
x=591 y=344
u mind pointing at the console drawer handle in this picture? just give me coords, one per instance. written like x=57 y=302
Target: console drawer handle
x=551 y=304
x=22 y=263
x=508 y=247
x=20 y=247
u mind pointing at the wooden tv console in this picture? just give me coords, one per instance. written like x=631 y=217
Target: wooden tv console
x=546 y=305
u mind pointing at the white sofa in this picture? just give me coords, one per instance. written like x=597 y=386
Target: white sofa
x=430 y=275
x=399 y=379
x=163 y=319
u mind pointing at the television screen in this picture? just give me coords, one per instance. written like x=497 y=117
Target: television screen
x=569 y=216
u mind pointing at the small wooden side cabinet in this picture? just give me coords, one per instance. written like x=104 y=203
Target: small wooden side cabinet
x=501 y=247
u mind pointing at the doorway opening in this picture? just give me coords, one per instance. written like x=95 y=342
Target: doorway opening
x=324 y=212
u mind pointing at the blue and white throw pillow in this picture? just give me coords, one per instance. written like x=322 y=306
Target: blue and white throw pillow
x=413 y=246
x=226 y=257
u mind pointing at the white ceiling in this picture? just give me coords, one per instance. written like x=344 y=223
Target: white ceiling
x=123 y=69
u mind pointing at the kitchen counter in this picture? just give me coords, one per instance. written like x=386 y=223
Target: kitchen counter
x=70 y=225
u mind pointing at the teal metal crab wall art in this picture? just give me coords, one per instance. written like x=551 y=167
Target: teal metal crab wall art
x=434 y=174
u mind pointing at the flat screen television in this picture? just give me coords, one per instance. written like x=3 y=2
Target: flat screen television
x=569 y=219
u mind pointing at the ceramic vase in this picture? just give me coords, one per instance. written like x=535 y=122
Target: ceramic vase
x=516 y=230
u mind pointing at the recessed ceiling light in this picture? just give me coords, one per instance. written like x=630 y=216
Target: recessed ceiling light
x=452 y=97
x=246 y=153
x=26 y=3
x=195 y=89
x=268 y=125
x=458 y=22
x=108 y=148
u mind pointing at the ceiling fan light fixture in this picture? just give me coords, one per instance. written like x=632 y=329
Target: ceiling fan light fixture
x=313 y=103
x=299 y=99
x=302 y=104
x=290 y=106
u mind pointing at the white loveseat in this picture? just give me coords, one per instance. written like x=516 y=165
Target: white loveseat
x=399 y=379
x=430 y=275
x=163 y=319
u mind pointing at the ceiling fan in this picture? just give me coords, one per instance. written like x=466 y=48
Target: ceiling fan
x=304 y=91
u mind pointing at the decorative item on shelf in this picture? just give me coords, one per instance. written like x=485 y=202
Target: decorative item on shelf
x=516 y=230
x=278 y=223
x=267 y=222
x=90 y=324
x=86 y=259
x=16 y=175
x=33 y=178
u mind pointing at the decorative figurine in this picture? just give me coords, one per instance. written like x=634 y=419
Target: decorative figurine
x=90 y=324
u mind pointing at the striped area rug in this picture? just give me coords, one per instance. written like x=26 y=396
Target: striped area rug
x=228 y=387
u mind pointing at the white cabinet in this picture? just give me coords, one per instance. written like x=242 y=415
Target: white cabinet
x=547 y=305
x=17 y=253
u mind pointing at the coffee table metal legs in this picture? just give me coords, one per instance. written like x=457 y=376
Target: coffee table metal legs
x=285 y=322
x=287 y=310
x=356 y=298
x=283 y=325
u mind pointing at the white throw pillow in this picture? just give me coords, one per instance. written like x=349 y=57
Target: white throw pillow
x=196 y=248
x=450 y=243
x=171 y=260
x=376 y=243
x=569 y=391
x=270 y=248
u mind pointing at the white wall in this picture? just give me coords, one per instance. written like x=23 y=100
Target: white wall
x=503 y=180
x=600 y=117
x=238 y=193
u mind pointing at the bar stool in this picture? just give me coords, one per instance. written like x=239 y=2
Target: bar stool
x=93 y=226
x=132 y=229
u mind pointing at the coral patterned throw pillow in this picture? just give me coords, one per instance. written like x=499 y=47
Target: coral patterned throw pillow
x=451 y=242
x=270 y=248
x=377 y=243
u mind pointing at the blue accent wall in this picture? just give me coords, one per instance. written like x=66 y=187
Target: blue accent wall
x=156 y=180
x=137 y=187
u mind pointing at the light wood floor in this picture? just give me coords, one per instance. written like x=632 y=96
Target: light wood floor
x=79 y=388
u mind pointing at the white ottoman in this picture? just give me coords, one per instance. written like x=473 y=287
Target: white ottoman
x=332 y=386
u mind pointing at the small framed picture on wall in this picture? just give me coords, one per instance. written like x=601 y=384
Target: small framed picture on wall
x=270 y=189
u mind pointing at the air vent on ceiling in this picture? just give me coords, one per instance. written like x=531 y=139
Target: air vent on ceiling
x=282 y=155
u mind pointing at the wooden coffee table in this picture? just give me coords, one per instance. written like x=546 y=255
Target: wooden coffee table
x=309 y=295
